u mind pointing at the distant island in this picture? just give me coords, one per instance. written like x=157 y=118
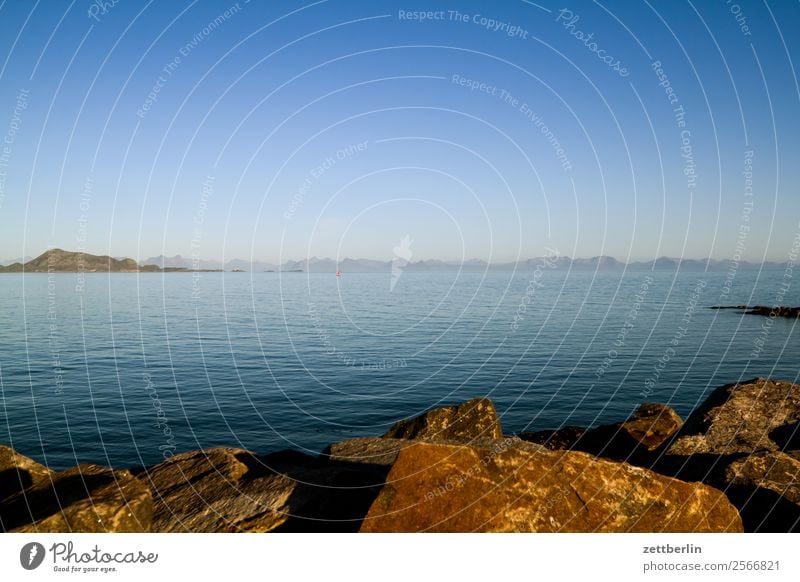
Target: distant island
x=61 y=261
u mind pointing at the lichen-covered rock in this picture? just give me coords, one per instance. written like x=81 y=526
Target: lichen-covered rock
x=86 y=498
x=733 y=441
x=739 y=418
x=775 y=471
x=474 y=419
x=514 y=486
x=217 y=490
x=766 y=488
x=17 y=472
x=233 y=490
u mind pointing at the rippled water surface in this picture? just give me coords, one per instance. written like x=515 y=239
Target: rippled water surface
x=134 y=367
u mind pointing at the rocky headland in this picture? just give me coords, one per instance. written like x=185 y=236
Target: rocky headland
x=61 y=261
x=765 y=310
x=732 y=466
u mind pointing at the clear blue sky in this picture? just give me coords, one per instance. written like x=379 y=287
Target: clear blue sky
x=571 y=142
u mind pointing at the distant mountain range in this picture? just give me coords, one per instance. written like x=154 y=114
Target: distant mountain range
x=57 y=260
x=17 y=260
x=327 y=265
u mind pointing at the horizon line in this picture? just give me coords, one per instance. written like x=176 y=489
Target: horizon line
x=145 y=261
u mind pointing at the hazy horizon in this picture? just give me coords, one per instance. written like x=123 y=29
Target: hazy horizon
x=190 y=258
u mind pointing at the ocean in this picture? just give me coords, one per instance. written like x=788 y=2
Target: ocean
x=129 y=369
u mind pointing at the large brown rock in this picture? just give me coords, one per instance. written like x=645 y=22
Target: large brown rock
x=513 y=486
x=233 y=490
x=474 y=419
x=86 y=498
x=18 y=472
x=740 y=418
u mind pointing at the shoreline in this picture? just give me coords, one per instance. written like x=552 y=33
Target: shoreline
x=730 y=466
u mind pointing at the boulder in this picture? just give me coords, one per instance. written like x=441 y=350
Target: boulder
x=775 y=471
x=18 y=472
x=634 y=440
x=740 y=418
x=651 y=425
x=233 y=490
x=766 y=488
x=86 y=498
x=514 y=486
x=217 y=490
x=734 y=442
x=474 y=419
x=368 y=450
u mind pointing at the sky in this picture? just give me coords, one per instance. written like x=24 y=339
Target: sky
x=491 y=130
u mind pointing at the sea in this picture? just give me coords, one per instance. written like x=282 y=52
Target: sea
x=129 y=369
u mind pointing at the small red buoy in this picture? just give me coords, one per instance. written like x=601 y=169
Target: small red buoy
x=338 y=273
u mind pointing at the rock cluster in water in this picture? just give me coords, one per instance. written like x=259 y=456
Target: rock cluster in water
x=733 y=466
x=765 y=310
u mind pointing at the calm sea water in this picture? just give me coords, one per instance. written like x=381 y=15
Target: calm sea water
x=131 y=368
